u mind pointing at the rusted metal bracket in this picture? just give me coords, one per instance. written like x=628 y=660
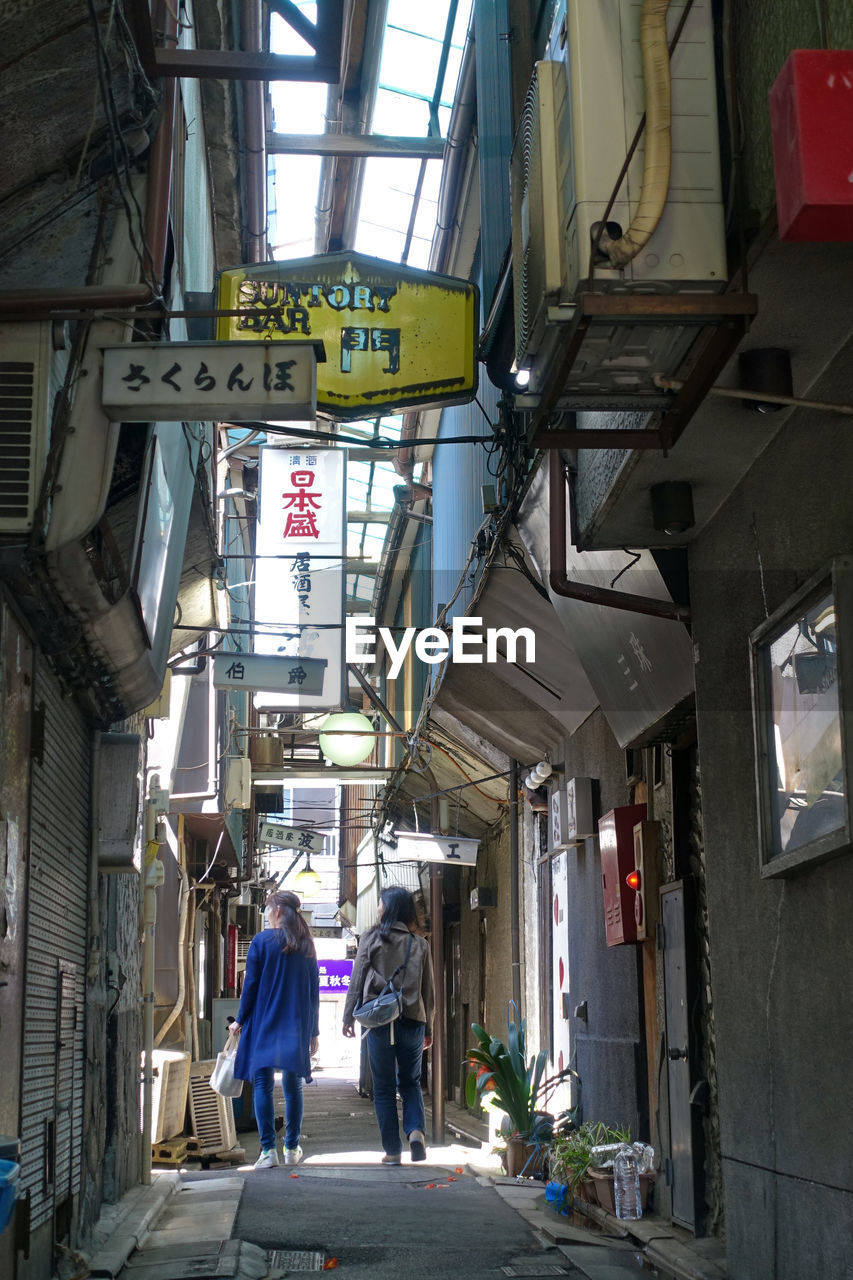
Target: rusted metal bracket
x=725 y=318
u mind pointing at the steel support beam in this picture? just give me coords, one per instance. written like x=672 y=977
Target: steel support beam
x=354 y=144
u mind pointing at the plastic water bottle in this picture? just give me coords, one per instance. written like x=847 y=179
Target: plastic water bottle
x=626 y=1184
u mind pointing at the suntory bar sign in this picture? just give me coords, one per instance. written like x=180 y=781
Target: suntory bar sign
x=395 y=338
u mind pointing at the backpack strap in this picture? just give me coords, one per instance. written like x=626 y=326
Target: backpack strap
x=390 y=982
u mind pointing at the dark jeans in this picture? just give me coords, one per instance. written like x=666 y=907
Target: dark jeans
x=262 y=1088
x=397 y=1066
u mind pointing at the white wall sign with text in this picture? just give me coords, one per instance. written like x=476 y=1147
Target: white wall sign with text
x=300 y=570
x=205 y=381
x=291 y=837
x=422 y=847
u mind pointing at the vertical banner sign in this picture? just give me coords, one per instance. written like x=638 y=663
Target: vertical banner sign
x=300 y=570
x=560 y=1025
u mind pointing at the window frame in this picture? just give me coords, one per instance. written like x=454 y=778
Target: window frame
x=835 y=580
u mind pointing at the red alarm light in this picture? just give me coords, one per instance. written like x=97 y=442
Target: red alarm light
x=633 y=880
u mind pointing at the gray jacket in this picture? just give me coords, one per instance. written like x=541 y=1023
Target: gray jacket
x=376 y=960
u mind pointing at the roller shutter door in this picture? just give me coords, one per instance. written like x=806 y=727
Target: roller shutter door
x=54 y=1043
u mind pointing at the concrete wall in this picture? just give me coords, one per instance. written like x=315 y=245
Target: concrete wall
x=782 y=949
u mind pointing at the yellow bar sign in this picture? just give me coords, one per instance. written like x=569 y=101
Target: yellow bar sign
x=395 y=337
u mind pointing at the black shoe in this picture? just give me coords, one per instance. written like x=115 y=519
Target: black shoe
x=416 y=1145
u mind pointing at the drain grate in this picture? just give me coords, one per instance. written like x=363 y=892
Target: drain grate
x=297 y=1260
x=534 y=1268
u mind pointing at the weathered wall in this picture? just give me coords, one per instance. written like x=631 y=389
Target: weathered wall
x=609 y=1056
x=780 y=947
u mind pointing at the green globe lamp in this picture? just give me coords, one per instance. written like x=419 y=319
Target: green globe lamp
x=347 y=738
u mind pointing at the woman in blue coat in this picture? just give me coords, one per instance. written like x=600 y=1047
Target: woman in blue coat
x=278 y=1022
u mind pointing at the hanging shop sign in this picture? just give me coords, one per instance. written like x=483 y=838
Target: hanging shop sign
x=300 y=572
x=334 y=974
x=205 y=381
x=291 y=837
x=422 y=847
x=395 y=338
x=264 y=671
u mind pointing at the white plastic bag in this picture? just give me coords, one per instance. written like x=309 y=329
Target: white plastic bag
x=222 y=1081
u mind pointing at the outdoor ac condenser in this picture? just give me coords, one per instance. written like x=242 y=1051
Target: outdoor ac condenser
x=169 y=1098
x=25 y=365
x=583 y=105
x=212 y=1115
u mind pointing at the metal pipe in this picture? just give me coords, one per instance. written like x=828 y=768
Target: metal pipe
x=182 y=986
x=152 y=878
x=235 y=448
x=436 y=885
x=514 y=923
x=374 y=698
x=561 y=585
x=658 y=150
x=251 y=39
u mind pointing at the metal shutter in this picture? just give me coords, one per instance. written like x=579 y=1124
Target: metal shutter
x=54 y=1045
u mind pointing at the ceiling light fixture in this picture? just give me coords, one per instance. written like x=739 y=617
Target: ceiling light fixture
x=347 y=738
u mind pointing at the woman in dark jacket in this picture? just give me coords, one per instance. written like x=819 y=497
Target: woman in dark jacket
x=395 y=1062
x=279 y=1022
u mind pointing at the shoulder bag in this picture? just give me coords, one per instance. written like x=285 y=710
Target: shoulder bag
x=388 y=1005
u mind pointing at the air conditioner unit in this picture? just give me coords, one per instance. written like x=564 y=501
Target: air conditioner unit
x=577 y=124
x=25 y=364
x=238 y=782
x=169 y=1096
x=212 y=1115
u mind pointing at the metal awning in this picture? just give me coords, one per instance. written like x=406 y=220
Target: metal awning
x=640 y=666
x=526 y=709
x=222 y=857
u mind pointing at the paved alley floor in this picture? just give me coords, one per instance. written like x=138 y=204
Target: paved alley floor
x=451 y=1216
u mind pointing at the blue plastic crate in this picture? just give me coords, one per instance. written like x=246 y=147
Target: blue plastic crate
x=9 y=1174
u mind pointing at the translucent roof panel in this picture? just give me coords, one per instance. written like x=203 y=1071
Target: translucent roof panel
x=418 y=73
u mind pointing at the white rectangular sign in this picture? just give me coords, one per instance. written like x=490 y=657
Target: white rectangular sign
x=291 y=837
x=173 y=381
x=422 y=847
x=300 y=574
x=265 y=671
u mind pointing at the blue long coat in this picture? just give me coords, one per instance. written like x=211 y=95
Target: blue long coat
x=279 y=1009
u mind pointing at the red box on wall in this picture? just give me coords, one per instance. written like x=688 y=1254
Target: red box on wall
x=811 y=119
x=616 y=845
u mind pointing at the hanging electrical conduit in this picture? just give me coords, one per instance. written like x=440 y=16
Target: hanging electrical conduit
x=658 y=152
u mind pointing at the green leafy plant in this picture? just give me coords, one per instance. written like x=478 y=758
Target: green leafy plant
x=515 y=1085
x=571 y=1152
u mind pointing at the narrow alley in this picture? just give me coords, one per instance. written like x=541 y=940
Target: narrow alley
x=426 y=580
x=455 y=1215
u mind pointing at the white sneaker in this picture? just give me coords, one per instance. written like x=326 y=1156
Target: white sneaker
x=268 y=1159
x=292 y=1155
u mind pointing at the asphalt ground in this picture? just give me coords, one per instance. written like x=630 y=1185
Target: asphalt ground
x=440 y=1218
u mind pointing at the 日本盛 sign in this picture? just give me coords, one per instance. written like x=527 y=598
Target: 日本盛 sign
x=394 y=337
x=300 y=571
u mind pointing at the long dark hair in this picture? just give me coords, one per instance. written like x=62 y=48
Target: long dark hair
x=296 y=936
x=399 y=908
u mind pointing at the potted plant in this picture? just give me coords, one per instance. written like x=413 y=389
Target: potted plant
x=573 y=1160
x=510 y=1083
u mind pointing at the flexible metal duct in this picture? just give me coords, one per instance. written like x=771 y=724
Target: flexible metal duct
x=656 y=77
